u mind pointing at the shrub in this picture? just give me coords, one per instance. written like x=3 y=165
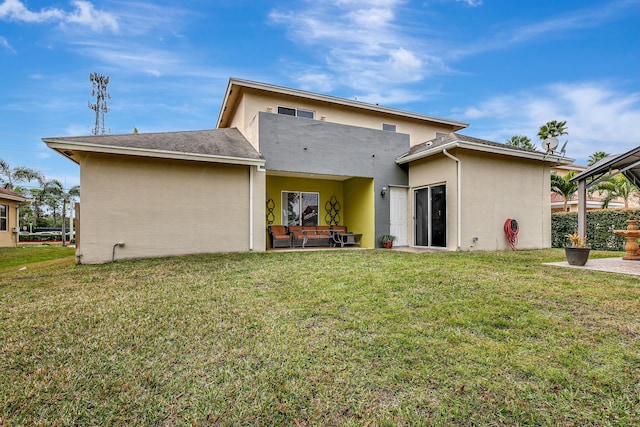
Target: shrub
x=600 y=226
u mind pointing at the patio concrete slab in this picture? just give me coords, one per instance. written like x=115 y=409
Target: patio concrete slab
x=611 y=265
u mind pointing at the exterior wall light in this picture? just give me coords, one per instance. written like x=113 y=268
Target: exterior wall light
x=383 y=191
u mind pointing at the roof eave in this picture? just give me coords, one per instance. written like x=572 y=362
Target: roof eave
x=63 y=147
x=533 y=155
x=12 y=197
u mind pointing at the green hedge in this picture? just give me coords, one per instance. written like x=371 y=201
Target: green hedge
x=600 y=226
x=42 y=237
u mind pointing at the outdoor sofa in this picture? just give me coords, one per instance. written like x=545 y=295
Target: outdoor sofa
x=311 y=236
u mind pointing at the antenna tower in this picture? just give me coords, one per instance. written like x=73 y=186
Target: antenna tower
x=99 y=90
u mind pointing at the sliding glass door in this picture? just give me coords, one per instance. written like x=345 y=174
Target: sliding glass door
x=431 y=216
x=299 y=208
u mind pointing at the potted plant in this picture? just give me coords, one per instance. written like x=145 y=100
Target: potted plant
x=578 y=252
x=386 y=240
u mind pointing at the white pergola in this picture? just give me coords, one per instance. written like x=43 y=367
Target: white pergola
x=627 y=164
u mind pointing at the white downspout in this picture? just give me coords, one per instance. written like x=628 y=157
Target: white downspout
x=459 y=193
x=251 y=208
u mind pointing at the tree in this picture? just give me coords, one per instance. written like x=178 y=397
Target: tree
x=521 y=141
x=12 y=175
x=52 y=202
x=58 y=193
x=596 y=157
x=25 y=215
x=553 y=128
x=561 y=185
x=616 y=187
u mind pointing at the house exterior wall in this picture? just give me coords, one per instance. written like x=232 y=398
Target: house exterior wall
x=493 y=189
x=313 y=147
x=254 y=101
x=499 y=187
x=7 y=237
x=360 y=210
x=162 y=208
x=434 y=170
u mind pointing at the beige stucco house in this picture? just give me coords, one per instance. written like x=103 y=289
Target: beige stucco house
x=9 y=227
x=486 y=183
x=282 y=156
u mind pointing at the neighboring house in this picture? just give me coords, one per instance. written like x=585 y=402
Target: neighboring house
x=9 y=226
x=285 y=156
x=593 y=201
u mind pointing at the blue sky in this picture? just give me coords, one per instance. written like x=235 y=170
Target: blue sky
x=504 y=66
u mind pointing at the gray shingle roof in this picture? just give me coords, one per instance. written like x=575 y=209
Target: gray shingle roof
x=443 y=139
x=228 y=142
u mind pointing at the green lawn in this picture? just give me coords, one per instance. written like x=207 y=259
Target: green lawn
x=25 y=255
x=360 y=338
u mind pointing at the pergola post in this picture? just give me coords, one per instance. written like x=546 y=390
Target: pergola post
x=582 y=208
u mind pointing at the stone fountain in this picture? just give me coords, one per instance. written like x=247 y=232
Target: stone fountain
x=632 y=234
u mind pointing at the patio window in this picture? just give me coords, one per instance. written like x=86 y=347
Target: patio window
x=3 y=217
x=299 y=208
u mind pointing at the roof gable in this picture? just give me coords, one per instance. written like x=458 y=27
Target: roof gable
x=236 y=86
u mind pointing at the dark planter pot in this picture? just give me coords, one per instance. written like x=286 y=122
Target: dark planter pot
x=388 y=245
x=577 y=256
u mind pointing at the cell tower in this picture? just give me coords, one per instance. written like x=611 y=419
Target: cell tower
x=99 y=90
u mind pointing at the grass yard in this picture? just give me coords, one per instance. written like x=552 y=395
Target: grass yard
x=25 y=255
x=333 y=338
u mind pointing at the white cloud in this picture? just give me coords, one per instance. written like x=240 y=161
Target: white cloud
x=405 y=65
x=84 y=13
x=472 y=3
x=599 y=116
x=362 y=45
x=376 y=44
x=134 y=57
x=564 y=23
x=15 y=10
x=4 y=43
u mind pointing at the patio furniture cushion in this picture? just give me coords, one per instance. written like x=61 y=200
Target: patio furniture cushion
x=280 y=237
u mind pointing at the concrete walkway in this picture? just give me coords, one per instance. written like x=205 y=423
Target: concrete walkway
x=611 y=265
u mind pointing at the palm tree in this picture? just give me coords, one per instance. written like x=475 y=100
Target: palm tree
x=616 y=187
x=11 y=175
x=521 y=141
x=596 y=157
x=58 y=193
x=561 y=185
x=553 y=128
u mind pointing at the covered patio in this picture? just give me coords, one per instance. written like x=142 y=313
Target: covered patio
x=627 y=164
